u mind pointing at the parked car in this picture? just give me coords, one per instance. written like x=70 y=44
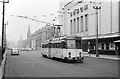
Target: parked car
x=14 y=51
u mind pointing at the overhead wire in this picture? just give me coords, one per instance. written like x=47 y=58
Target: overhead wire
x=26 y=17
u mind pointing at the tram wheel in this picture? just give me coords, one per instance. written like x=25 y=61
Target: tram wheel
x=66 y=60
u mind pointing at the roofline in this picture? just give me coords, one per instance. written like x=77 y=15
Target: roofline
x=68 y=3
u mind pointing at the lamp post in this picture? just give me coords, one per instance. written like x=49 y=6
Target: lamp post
x=3 y=24
x=97 y=8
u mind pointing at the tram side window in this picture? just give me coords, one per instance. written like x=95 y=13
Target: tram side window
x=51 y=45
x=46 y=45
x=42 y=45
x=54 y=45
x=64 y=45
x=58 y=45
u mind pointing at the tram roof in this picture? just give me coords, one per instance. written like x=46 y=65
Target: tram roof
x=58 y=41
x=67 y=37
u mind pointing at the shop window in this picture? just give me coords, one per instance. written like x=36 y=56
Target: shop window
x=102 y=46
x=112 y=46
x=107 y=46
x=99 y=46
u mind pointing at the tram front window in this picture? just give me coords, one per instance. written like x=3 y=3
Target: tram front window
x=71 y=44
x=78 y=44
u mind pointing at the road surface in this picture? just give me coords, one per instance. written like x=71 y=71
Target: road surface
x=32 y=64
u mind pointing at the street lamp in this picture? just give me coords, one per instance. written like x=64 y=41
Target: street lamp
x=3 y=50
x=97 y=8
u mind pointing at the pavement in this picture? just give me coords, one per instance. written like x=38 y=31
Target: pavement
x=2 y=66
x=112 y=57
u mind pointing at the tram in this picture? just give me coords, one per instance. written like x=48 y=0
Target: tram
x=67 y=48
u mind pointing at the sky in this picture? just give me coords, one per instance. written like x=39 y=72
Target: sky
x=35 y=9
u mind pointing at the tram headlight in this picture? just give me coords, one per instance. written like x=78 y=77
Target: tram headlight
x=80 y=54
x=69 y=54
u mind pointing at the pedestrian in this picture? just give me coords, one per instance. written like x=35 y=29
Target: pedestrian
x=89 y=52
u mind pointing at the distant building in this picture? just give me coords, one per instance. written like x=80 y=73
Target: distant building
x=36 y=39
x=80 y=19
x=28 y=37
x=27 y=42
x=48 y=32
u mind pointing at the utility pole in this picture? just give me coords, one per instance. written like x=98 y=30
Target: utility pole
x=3 y=28
x=97 y=7
x=3 y=19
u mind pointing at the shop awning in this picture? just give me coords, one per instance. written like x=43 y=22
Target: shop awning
x=117 y=41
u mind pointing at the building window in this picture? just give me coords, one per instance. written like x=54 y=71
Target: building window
x=74 y=25
x=86 y=22
x=70 y=14
x=78 y=25
x=81 y=23
x=86 y=7
x=81 y=9
x=71 y=25
x=77 y=11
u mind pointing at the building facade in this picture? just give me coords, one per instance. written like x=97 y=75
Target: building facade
x=80 y=18
x=36 y=39
x=40 y=36
x=47 y=32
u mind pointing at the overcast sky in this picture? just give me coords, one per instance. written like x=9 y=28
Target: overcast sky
x=18 y=26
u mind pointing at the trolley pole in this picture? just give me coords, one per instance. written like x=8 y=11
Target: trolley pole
x=97 y=7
